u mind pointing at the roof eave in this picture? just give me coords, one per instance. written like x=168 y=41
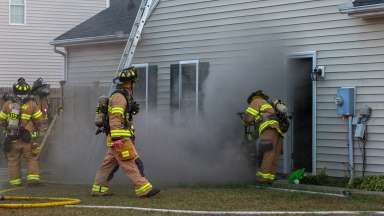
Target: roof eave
x=89 y=40
x=375 y=10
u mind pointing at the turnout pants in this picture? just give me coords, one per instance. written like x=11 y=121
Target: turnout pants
x=133 y=168
x=19 y=150
x=269 y=152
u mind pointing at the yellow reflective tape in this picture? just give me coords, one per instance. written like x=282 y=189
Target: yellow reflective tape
x=15 y=182
x=100 y=189
x=143 y=189
x=26 y=117
x=3 y=115
x=118 y=110
x=268 y=176
x=35 y=134
x=125 y=154
x=33 y=177
x=123 y=133
x=24 y=107
x=265 y=107
x=37 y=114
x=252 y=111
x=266 y=124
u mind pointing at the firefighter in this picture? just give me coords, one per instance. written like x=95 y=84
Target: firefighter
x=120 y=140
x=20 y=116
x=262 y=113
x=40 y=92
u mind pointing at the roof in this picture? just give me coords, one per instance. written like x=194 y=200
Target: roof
x=113 y=23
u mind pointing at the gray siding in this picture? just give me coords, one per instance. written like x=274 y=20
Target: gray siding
x=25 y=49
x=352 y=50
x=93 y=63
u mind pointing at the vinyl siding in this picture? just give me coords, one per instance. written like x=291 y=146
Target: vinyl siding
x=93 y=63
x=352 y=49
x=25 y=49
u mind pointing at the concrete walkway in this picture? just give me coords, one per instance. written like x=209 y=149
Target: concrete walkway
x=326 y=189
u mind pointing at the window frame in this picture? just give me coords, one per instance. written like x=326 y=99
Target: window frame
x=25 y=13
x=181 y=63
x=146 y=66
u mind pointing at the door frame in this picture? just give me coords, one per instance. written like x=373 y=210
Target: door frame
x=287 y=157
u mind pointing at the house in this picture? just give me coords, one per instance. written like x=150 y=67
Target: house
x=27 y=27
x=191 y=37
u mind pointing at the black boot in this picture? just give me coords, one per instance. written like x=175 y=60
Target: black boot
x=152 y=193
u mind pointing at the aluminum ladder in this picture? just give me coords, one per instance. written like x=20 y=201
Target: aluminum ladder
x=145 y=10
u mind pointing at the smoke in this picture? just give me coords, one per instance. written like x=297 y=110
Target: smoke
x=176 y=148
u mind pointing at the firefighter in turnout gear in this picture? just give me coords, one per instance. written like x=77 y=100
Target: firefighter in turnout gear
x=40 y=92
x=262 y=113
x=120 y=139
x=21 y=117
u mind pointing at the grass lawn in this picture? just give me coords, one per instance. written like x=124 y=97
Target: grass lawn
x=220 y=198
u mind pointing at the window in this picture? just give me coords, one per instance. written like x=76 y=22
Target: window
x=187 y=80
x=108 y=3
x=145 y=92
x=17 y=12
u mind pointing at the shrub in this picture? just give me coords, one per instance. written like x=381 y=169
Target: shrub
x=372 y=183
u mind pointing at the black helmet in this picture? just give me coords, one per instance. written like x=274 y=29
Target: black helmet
x=126 y=75
x=21 y=87
x=258 y=93
x=40 y=88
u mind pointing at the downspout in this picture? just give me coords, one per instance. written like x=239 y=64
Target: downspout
x=64 y=54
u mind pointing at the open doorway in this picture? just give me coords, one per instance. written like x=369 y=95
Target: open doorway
x=300 y=101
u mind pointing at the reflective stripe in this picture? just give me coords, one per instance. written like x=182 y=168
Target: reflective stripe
x=99 y=189
x=265 y=107
x=33 y=177
x=26 y=117
x=15 y=182
x=143 y=189
x=121 y=133
x=35 y=134
x=3 y=115
x=252 y=111
x=114 y=110
x=268 y=123
x=125 y=154
x=268 y=176
x=37 y=114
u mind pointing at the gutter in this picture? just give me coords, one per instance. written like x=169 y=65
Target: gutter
x=90 y=40
x=64 y=54
x=362 y=11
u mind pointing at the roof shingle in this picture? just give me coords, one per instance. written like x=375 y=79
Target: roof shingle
x=115 y=20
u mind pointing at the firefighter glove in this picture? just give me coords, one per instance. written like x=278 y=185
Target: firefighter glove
x=134 y=108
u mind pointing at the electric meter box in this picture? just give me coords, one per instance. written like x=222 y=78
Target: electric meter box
x=345 y=101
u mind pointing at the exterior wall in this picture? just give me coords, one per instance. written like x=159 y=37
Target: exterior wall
x=352 y=50
x=25 y=49
x=93 y=63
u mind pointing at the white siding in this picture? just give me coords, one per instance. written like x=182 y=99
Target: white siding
x=25 y=49
x=352 y=50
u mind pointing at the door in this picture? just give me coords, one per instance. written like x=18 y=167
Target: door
x=300 y=100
